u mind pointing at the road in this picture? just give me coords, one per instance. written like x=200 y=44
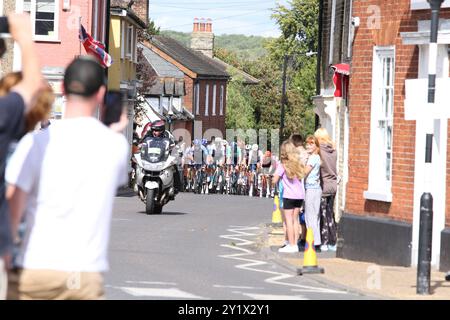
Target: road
x=201 y=247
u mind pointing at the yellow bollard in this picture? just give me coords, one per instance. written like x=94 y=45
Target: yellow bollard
x=276 y=214
x=310 y=256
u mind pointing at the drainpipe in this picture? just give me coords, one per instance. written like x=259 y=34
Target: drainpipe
x=319 y=60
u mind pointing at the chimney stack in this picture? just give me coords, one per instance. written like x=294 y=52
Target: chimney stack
x=202 y=37
x=140 y=7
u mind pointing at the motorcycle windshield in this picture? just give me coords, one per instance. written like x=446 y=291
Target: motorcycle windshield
x=155 y=150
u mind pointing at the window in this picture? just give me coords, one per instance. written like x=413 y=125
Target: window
x=222 y=89
x=122 y=40
x=129 y=41
x=44 y=14
x=207 y=100
x=381 y=128
x=214 y=100
x=197 y=98
x=176 y=103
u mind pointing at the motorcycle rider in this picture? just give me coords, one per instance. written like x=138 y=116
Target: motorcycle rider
x=158 y=130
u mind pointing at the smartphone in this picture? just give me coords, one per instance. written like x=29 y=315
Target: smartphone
x=4 y=25
x=113 y=107
x=4 y=32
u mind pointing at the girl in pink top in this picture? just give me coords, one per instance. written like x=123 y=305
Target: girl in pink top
x=291 y=172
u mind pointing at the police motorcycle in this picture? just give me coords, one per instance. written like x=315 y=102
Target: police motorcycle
x=156 y=170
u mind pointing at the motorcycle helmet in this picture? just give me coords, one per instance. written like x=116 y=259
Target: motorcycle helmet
x=146 y=129
x=158 y=126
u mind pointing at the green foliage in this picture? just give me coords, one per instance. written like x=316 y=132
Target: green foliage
x=152 y=29
x=239 y=108
x=258 y=106
x=184 y=38
x=245 y=47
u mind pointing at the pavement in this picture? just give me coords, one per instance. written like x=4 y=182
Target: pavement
x=382 y=282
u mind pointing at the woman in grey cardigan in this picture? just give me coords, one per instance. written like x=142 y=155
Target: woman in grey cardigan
x=328 y=177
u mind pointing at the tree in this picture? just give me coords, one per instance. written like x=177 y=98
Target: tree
x=299 y=27
x=152 y=29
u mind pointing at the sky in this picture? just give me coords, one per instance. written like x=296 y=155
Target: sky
x=250 y=17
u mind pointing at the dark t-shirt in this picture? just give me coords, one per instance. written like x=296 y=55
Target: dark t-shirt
x=12 y=108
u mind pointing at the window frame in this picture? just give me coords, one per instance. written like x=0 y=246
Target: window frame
x=214 y=100
x=380 y=181
x=55 y=36
x=129 y=40
x=222 y=102
x=207 y=100
x=197 y=98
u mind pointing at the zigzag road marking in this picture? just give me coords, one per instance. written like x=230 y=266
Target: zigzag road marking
x=251 y=264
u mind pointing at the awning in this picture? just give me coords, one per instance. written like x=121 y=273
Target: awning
x=342 y=68
x=341 y=79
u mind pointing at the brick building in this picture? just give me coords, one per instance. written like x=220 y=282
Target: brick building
x=205 y=85
x=386 y=106
x=331 y=103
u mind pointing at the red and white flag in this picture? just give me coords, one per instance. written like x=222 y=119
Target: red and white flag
x=95 y=48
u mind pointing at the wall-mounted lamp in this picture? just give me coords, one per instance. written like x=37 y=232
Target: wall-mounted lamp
x=66 y=5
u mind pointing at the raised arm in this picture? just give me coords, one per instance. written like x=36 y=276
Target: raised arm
x=21 y=32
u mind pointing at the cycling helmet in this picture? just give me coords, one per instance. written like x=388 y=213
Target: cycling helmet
x=158 y=125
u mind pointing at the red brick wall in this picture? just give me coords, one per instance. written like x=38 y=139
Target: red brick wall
x=189 y=94
x=210 y=121
x=396 y=17
x=140 y=7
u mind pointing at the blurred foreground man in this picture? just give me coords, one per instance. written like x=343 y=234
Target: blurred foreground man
x=63 y=183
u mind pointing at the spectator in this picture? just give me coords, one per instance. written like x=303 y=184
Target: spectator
x=64 y=251
x=328 y=177
x=291 y=172
x=13 y=106
x=298 y=141
x=42 y=104
x=313 y=189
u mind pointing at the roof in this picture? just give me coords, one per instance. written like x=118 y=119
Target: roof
x=125 y=5
x=162 y=67
x=248 y=79
x=198 y=63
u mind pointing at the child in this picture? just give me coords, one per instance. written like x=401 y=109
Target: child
x=298 y=141
x=291 y=172
x=313 y=190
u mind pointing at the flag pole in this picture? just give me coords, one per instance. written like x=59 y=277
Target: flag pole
x=79 y=28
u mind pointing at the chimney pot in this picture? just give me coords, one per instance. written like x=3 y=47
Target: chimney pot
x=202 y=25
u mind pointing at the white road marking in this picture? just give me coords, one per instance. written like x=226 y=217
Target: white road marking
x=158 y=292
x=251 y=264
x=153 y=282
x=273 y=297
x=237 y=287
